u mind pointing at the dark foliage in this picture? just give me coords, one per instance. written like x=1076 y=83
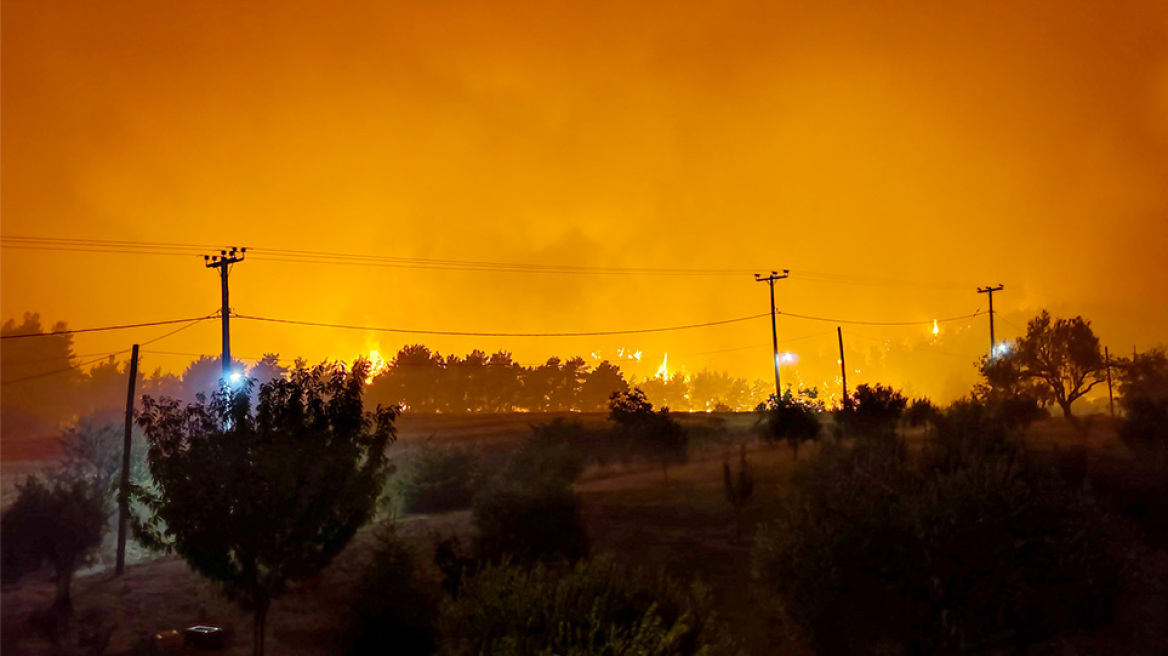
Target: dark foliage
x=392 y=611
x=1059 y=359
x=791 y=418
x=435 y=478
x=1144 y=398
x=529 y=521
x=278 y=492
x=874 y=553
x=654 y=435
x=871 y=411
x=739 y=489
x=58 y=518
x=591 y=609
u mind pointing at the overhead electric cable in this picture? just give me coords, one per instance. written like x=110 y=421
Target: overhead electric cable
x=301 y=256
x=76 y=331
x=878 y=323
x=106 y=356
x=463 y=333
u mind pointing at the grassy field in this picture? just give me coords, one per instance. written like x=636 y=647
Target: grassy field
x=684 y=525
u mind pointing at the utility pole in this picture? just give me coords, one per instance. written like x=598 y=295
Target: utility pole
x=839 y=331
x=124 y=490
x=774 y=330
x=223 y=262
x=1110 y=395
x=990 y=291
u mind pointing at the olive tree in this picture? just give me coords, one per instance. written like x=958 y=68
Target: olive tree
x=254 y=499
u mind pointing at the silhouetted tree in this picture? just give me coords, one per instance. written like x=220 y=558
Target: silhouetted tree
x=871 y=411
x=657 y=433
x=1143 y=390
x=267 y=369
x=203 y=377
x=1061 y=355
x=39 y=376
x=792 y=418
x=279 y=492
x=739 y=489
x=58 y=517
x=601 y=384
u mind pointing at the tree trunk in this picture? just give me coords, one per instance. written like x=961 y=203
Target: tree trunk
x=63 y=602
x=261 y=619
x=1066 y=406
x=665 y=472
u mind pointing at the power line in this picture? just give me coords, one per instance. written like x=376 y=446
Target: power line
x=193 y=322
x=300 y=256
x=53 y=333
x=878 y=323
x=459 y=333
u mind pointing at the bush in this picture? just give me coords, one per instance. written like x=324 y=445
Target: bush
x=549 y=456
x=871 y=411
x=791 y=418
x=656 y=435
x=437 y=478
x=969 y=431
x=592 y=608
x=57 y=518
x=529 y=521
x=873 y=551
x=392 y=612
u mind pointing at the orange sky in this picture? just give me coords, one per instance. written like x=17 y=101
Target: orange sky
x=921 y=149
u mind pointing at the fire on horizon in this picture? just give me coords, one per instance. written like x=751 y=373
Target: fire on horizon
x=894 y=158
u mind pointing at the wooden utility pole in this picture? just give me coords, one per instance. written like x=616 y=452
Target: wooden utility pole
x=839 y=331
x=990 y=291
x=124 y=489
x=1110 y=395
x=774 y=329
x=223 y=262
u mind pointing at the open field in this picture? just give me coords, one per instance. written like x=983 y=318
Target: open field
x=684 y=525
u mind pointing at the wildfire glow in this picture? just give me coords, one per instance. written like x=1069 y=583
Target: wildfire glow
x=377 y=364
x=936 y=328
x=663 y=370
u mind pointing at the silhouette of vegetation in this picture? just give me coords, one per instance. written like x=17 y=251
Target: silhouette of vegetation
x=437 y=478
x=392 y=610
x=39 y=378
x=739 y=489
x=1143 y=390
x=655 y=434
x=1061 y=358
x=871 y=411
x=876 y=553
x=279 y=491
x=58 y=517
x=591 y=608
x=792 y=418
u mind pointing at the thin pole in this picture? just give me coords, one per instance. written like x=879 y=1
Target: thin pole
x=990 y=291
x=1110 y=395
x=226 y=312
x=124 y=490
x=843 y=368
x=222 y=261
x=774 y=328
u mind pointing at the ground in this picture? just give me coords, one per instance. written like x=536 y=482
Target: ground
x=684 y=525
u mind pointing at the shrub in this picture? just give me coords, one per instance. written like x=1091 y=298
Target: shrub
x=871 y=411
x=57 y=518
x=873 y=551
x=791 y=418
x=592 y=608
x=654 y=434
x=529 y=521
x=549 y=456
x=392 y=612
x=436 y=478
